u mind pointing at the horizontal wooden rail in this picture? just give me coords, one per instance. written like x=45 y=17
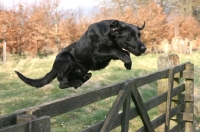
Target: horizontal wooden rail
x=140 y=81
x=64 y=105
x=179 y=127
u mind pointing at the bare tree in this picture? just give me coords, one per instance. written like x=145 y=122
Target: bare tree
x=122 y=5
x=184 y=7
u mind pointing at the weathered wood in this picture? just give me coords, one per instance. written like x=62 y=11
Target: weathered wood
x=133 y=112
x=21 y=118
x=41 y=124
x=173 y=121
x=162 y=88
x=185 y=116
x=167 y=61
x=169 y=99
x=32 y=111
x=189 y=89
x=64 y=105
x=177 y=109
x=140 y=81
x=141 y=109
x=67 y=104
x=184 y=97
x=188 y=74
x=126 y=113
x=114 y=110
x=161 y=119
x=10 y=119
x=178 y=128
x=148 y=105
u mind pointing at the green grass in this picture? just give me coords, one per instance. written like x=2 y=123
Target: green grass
x=15 y=95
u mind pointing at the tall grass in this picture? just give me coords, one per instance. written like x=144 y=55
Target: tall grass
x=15 y=95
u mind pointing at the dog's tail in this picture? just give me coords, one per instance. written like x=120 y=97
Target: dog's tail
x=37 y=82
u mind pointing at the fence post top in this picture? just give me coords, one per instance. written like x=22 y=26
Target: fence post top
x=167 y=61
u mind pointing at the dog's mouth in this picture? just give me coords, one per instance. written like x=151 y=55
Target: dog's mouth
x=134 y=52
x=137 y=54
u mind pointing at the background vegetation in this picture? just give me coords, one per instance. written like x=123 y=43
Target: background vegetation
x=43 y=27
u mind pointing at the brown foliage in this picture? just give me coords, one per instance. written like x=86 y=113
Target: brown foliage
x=186 y=27
x=42 y=26
x=155 y=19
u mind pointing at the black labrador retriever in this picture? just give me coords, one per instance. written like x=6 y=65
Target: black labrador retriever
x=102 y=42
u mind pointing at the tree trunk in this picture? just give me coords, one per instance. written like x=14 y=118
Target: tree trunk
x=4 y=51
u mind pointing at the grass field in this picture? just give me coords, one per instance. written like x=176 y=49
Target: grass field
x=15 y=95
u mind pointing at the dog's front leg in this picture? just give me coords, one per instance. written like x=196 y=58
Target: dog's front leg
x=127 y=65
x=114 y=53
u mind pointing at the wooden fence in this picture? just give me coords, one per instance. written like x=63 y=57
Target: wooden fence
x=37 y=118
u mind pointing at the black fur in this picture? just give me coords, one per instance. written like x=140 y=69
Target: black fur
x=102 y=42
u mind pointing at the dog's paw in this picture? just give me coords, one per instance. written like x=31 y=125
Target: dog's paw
x=77 y=83
x=63 y=85
x=87 y=76
x=128 y=65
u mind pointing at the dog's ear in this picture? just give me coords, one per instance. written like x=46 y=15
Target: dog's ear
x=115 y=28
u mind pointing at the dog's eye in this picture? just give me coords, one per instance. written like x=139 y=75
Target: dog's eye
x=129 y=38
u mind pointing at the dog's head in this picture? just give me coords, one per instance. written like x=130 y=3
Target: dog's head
x=127 y=36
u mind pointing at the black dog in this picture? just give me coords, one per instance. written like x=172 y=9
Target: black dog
x=102 y=42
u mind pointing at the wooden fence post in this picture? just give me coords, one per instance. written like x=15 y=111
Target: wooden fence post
x=188 y=74
x=167 y=61
x=41 y=124
x=21 y=118
x=169 y=99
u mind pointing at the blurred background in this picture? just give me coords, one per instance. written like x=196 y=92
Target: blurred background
x=41 y=27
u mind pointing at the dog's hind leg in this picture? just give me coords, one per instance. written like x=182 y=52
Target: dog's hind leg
x=77 y=82
x=66 y=84
x=64 y=72
x=85 y=77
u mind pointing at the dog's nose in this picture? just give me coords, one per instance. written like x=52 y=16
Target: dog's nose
x=143 y=48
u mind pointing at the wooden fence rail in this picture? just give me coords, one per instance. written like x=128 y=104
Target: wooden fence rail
x=126 y=92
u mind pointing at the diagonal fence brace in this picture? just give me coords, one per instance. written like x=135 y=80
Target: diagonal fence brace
x=135 y=95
